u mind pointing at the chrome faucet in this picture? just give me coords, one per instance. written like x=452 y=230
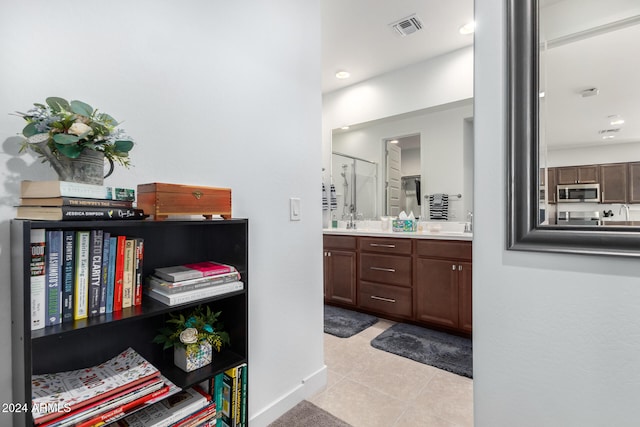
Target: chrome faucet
x=626 y=211
x=351 y=224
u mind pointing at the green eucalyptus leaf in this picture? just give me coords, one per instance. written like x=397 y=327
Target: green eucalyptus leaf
x=123 y=146
x=72 y=151
x=58 y=104
x=106 y=119
x=81 y=108
x=65 y=139
x=30 y=130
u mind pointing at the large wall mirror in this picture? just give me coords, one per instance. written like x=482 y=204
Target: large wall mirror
x=574 y=126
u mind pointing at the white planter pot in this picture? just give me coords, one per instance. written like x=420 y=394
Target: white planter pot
x=196 y=359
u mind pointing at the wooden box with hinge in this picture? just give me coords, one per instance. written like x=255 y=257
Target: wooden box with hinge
x=162 y=200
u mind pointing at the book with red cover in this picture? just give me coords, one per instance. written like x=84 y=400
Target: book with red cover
x=117 y=290
x=81 y=387
x=193 y=271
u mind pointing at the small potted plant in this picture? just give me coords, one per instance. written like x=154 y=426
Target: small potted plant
x=193 y=335
x=75 y=139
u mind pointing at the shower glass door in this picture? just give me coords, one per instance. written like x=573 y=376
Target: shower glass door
x=355 y=181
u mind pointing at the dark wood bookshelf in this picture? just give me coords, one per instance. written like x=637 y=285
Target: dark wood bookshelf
x=89 y=342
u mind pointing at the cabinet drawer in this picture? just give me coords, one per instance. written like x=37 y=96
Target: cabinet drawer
x=390 y=269
x=387 y=246
x=387 y=299
x=339 y=242
x=444 y=249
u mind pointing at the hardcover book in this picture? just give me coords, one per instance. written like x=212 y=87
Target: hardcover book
x=75 y=201
x=38 y=279
x=119 y=273
x=95 y=268
x=137 y=288
x=54 y=254
x=167 y=287
x=56 y=188
x=195 y=295
x=129 y=272
x=81 y=282
x=74 y=389
x=111 y=276
x=77 y=213
x=106 y=252
x=68 y=275
x=192 y=271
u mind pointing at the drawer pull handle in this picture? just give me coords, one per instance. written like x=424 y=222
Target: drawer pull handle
x=383 y=299
x=388 y=270
x=379 y=245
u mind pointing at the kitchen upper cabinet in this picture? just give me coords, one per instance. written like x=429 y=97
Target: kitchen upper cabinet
x=340 y=264
x=613 y=182
x=552 y=183
x=578 y=174
x=634 y=182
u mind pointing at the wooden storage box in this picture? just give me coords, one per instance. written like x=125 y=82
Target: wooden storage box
x=162 y=200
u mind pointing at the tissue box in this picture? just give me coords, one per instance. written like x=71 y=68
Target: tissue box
x=403 y=225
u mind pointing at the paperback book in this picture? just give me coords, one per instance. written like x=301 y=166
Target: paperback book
x=29 y=189
x=75 y=201
x=195 y=295
x=77 y=213
x=37 y=266
x=54 y=254
x=166 y=287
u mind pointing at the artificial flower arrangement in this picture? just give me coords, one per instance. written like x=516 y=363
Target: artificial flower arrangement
x=65 y=129
x=193 y=329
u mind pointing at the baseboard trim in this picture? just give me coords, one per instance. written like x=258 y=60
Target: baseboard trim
x=307 y=388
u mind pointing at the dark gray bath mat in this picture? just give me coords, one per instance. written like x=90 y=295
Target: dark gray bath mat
x=306 y=414
x=345 y=323
x=445 y=351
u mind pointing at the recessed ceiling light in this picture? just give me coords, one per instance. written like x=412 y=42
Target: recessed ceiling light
x=608 y=137
x=617 y=122
x=467 y=28
x=343 y=74
x=344 y=127
x=393 y=141
x=541 y=94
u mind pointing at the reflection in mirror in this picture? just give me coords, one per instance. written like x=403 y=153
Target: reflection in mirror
x=589 y=114
x=434 y=155
x=571 y=186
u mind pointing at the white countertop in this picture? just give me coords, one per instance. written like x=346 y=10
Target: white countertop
x=440 y=235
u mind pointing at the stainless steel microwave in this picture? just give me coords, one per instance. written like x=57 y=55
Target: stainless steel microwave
x=579 y=193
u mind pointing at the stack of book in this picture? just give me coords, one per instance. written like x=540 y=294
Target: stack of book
x=64 y=201
x=100 y=394
x=77 y=274
x=192 y=282
x=229 y=391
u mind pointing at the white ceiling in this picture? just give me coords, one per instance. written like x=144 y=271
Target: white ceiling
x=356 y=36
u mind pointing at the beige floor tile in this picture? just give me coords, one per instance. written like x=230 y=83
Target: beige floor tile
x=375 y=330
x=449 y=397
x=418 y=417
x=350 y=356
x=359 y=405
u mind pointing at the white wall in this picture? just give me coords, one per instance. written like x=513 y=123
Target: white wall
x=209 y=102
x=556 y=338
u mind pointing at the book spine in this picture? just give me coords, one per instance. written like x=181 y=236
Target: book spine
x=73 y=213
x=68 y=275
x=127 y=282
x=106 y=252
x=195 y=296
x=218 y=381
x=111 y=276
x=139 y=253
x=98 y=203
x=89 y=191
x=119 y=273
x=81 y=287
x=53 y=255
x=243 y=395
x=236 y=398
x=37 y=267
x=229 y=382
x=95 y=262
x=176 y=288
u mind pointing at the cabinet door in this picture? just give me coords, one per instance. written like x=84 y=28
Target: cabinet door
x=634 y=182
x=567 y=175
x=588 y=174
x=436 y=292
x=552 y=183
x=464 y=283
x=613 y=183
x=340 y=276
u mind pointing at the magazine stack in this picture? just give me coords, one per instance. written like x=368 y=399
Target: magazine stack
x=192 y=282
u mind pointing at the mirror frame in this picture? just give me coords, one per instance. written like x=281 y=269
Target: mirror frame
x=524 y=233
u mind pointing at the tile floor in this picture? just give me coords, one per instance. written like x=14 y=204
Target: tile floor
x=370 y=387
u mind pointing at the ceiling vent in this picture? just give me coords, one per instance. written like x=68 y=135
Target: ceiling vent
x=408 y=25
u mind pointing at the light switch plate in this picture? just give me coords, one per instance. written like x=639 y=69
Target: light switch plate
x=294 y=209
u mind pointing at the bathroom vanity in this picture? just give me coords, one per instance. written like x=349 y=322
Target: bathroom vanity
x=419 y=277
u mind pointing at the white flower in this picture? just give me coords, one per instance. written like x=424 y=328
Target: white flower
x=189 y=336
x=79 y=129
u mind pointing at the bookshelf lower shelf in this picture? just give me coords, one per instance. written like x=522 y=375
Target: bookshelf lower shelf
x=221 y=362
